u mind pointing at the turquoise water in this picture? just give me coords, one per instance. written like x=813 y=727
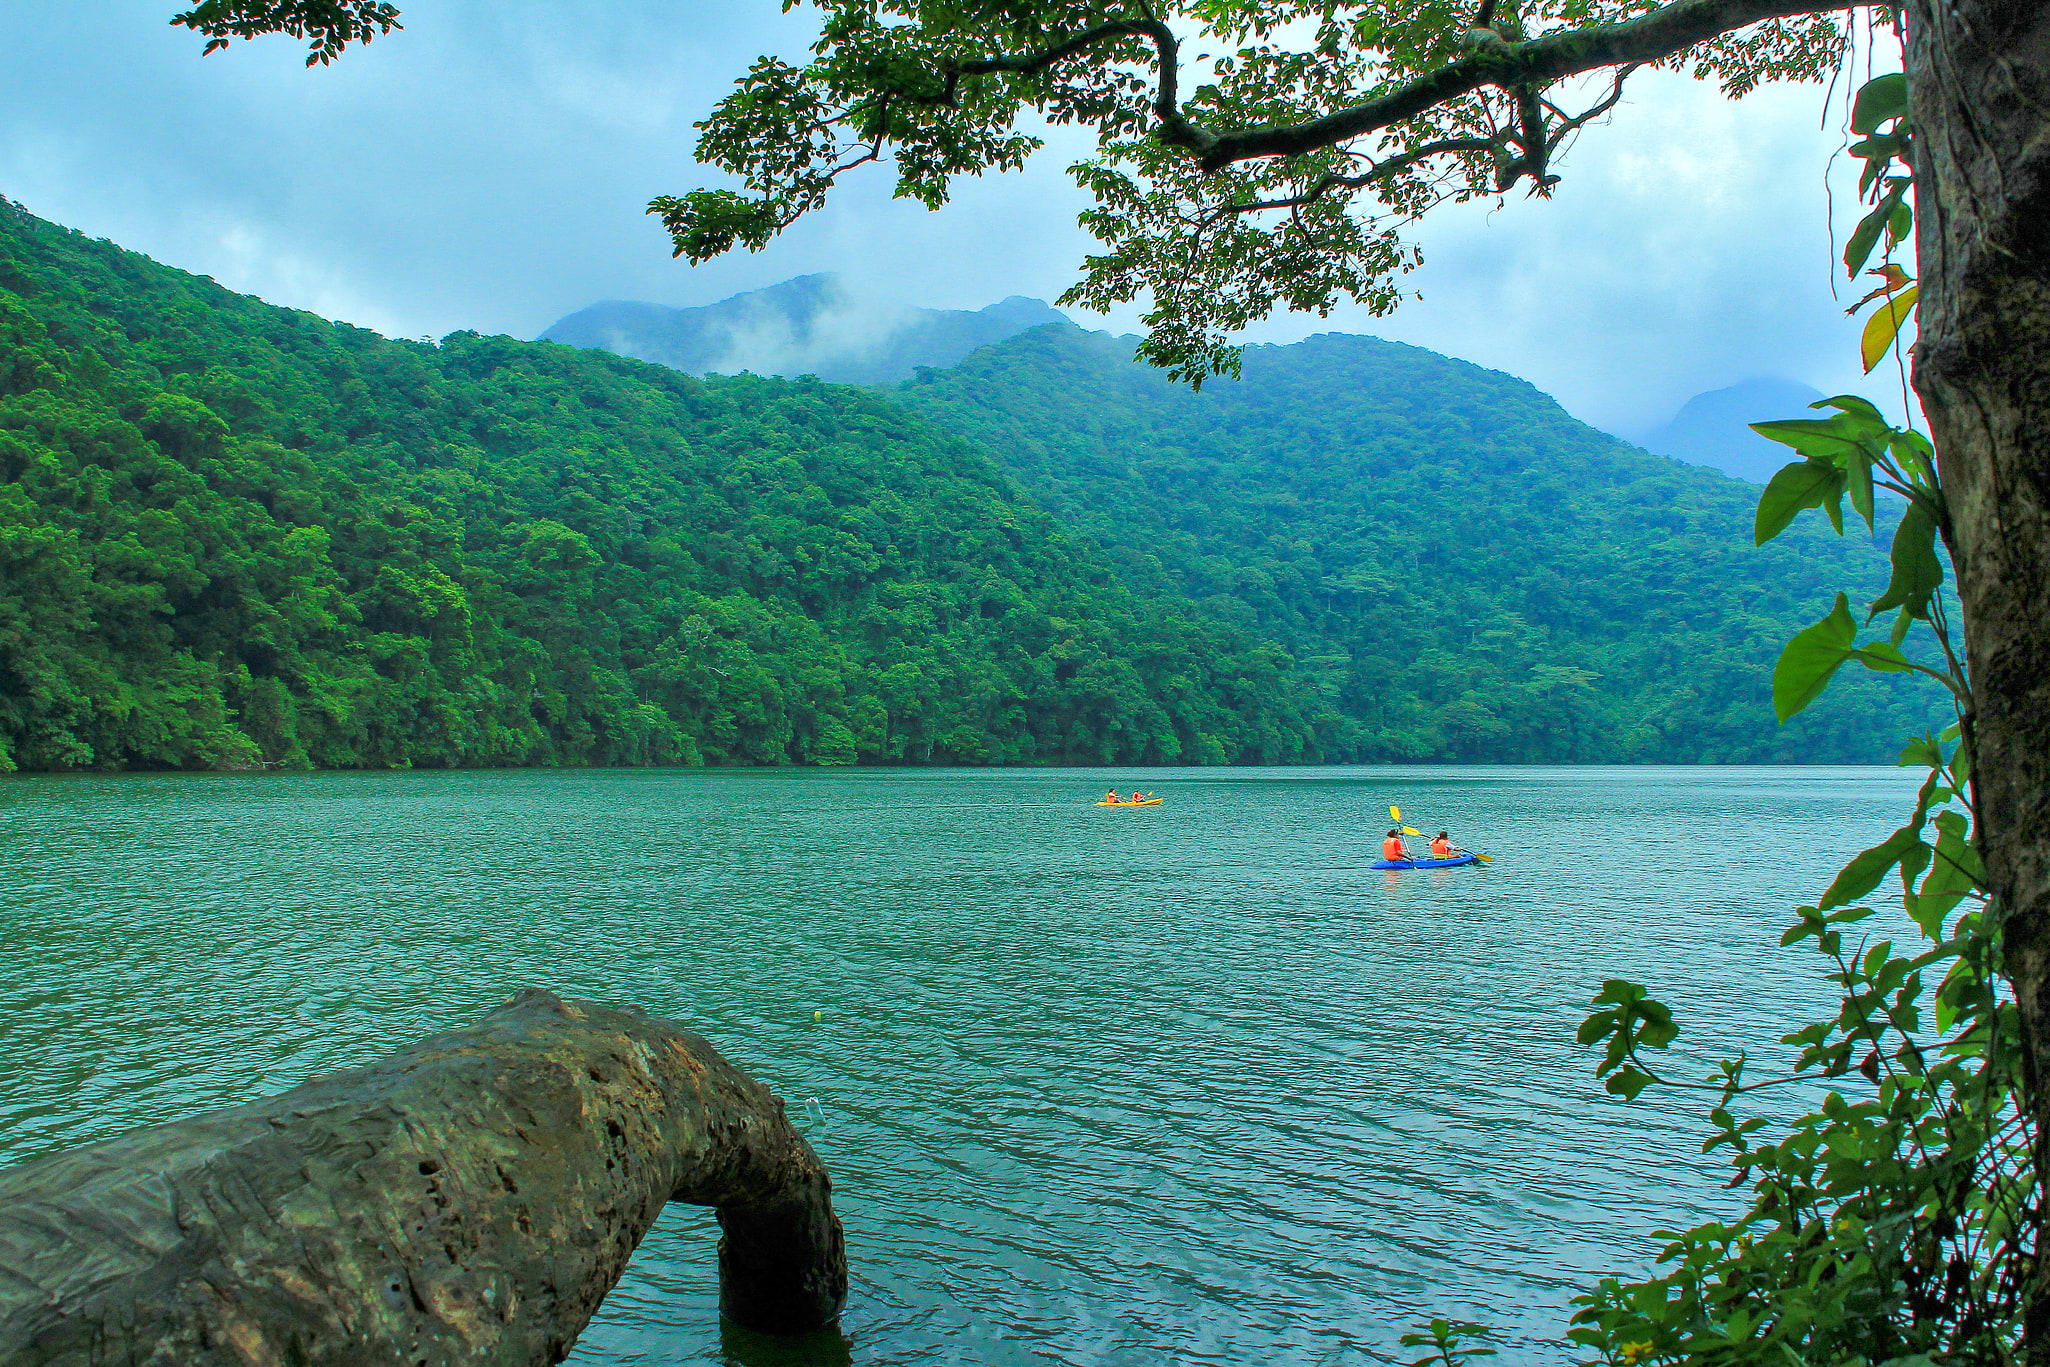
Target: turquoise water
x=1175 y=1084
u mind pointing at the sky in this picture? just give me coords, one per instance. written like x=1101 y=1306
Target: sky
x=489 y=167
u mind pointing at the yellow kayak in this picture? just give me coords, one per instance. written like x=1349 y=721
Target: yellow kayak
x=1149 y=802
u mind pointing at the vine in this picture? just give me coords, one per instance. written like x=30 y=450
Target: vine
x=1895 y=1222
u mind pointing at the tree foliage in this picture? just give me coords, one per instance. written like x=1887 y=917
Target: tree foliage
x=1899 y=1221
x=1466 y=572
x=233 y=535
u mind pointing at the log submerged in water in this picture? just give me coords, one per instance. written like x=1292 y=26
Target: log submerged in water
x=469 y=1199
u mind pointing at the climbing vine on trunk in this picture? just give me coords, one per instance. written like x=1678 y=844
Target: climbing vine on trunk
x=1896 y=1221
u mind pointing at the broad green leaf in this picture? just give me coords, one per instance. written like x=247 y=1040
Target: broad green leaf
x=1828 y=439
x=1879 y=100
x=1811 y=658
x=1912 y=864
x=1869 y=868
x=1882 y=329
x=1803 y=484
x=1957 y=863
x=1627 y=1083
x=1917 y=573
x=1884 y=657
x=1920 y=751
x=1858 y=480
x=1914 y=455
x=1865 y=236
x=1866 y=420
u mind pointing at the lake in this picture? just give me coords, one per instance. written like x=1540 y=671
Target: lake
x=1187 y=1083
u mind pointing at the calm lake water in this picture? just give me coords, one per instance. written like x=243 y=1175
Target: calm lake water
x=1177 y=1084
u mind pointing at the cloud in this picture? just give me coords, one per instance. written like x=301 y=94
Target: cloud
x=488 y=167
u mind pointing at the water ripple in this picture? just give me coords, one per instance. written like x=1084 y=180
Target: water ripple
x=1186 y=1084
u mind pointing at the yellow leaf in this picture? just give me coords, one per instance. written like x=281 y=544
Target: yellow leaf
x=1884 y=326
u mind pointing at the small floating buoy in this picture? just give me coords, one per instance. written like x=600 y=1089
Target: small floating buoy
x=818 y=1015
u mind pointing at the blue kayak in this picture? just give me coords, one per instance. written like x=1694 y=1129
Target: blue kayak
x=1454 y=862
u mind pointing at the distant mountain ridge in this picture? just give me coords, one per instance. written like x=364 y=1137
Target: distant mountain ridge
x=1468 y=573
x=1714 y=429
x=810 y=325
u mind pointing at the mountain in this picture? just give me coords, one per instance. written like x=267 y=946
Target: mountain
x=234 y=535
x=807 y=326
x=1466 y=572
x=1713 y=429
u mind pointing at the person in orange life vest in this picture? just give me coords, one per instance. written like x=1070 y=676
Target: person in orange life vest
x=1441 y=846
x=1392 y=848
x=1111 y=796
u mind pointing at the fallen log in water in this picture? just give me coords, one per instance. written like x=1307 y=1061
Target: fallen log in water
x=469 y=1199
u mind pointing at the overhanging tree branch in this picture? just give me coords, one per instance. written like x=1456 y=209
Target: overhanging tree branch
x=1495 y=62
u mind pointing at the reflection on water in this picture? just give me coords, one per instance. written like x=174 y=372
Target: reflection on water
x=1187 y=1083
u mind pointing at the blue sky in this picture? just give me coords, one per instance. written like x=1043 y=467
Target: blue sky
x=488 y=168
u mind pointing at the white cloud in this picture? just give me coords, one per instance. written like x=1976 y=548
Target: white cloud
x=489 y=166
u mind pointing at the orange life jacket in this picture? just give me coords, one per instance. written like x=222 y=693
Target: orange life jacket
x=1391 y=848
x=1441 y=848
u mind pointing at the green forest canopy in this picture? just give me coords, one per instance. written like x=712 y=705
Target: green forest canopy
x=1465 y=571
x=235 y=535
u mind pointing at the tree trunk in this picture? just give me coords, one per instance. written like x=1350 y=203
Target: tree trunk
x=467 y=1200
x=1979 y=81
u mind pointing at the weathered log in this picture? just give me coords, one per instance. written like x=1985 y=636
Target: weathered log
x=468 y=1200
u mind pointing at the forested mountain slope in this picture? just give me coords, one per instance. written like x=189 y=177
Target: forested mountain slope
x=232 y=534
x=1466 y=571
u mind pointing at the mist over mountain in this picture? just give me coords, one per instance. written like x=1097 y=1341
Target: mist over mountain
x=811 y=325
x=1713 y=429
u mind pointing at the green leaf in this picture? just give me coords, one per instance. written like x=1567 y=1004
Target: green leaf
x=1956 y=867
x=1627 y=1083
x=1865 y=236
x=1828 y=439
x=1869 y=868
x=1858 y=476
x=1881 y=146
x=1913 y=453
x=1797 y=486
x=1880 y=100
x=1884 y=657
x=1921 y=750
x=1811 y=658
x=1868 y=420
x=1917 y=573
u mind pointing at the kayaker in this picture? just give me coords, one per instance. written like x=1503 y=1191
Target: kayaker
x=1441 y=846
x=1111 y=796
x=1392 y=848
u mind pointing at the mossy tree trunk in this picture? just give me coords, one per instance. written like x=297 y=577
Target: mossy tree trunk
x=468 y=1200
x=1979 y=76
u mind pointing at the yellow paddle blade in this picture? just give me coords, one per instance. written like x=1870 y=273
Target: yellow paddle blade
x=1411 y=830
x=1395 y=813
x=1485 y=858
